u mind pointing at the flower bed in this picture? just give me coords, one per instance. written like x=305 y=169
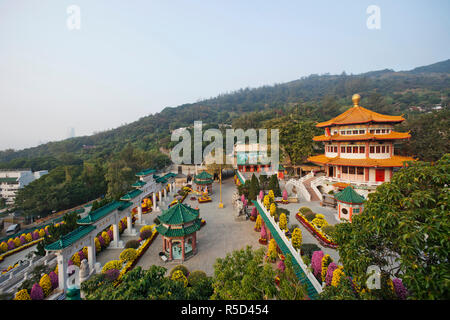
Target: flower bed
x=139 y=252
x=323 y=238
x=25 y=246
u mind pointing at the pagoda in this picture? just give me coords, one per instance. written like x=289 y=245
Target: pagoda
x=202 y=180
x=178 y=227
x=359 y=149
x=349 y=203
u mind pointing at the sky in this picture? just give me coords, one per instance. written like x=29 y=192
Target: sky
x=130 y=59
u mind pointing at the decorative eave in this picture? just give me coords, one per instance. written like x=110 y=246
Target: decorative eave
x=145 y=172
x=180 y=232
x=70 y=238
x=131 y=195
x=100 y=213
x=364 y=137
x=394 y=161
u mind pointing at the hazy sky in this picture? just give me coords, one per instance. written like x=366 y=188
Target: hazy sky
x=133 y=58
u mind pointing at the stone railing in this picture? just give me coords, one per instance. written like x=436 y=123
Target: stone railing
x=298 y=183
x=295 y=253
x=11 y=281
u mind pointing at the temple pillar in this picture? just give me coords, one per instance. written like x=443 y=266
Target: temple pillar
x=129 y=225
x=194 y=242
x=183 y=250
x=170 y=250
x=160 y=198
x=115 y=235
x=91 y=254
x=154 y=201
x=62 y=270
x=139 y=209
x=164 y=245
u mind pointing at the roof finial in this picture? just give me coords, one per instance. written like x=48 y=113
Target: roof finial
x=356 y=97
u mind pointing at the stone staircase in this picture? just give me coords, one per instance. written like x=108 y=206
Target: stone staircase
x=307 y=184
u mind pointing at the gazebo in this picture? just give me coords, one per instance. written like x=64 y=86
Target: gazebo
x=202 y=180
x=178 y=227
x=349 y=202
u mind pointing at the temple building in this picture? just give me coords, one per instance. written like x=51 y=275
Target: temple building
x=178 y=227
x=359 y=149
x=202 y=180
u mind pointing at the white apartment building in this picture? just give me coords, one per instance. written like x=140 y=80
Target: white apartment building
x=12 y=180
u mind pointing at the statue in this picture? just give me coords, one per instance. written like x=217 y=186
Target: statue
x=84 y=270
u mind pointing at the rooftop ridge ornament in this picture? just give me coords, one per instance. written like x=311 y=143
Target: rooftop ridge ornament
x=356 y=98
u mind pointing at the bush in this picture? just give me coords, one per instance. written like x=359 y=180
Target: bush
x=113 y=264
x=129 y=254
x=112 y=274
x=132 y=244
x=146 y=232
x=310 y=216
x=46 y=285
x=179 y=276
x=329 y=230
x=309 y=248
x=22 y=295
x=293 y=227
x=305 y=210
x=156 y=221
x=36 y=292
x=180 y=267
x=196 y=277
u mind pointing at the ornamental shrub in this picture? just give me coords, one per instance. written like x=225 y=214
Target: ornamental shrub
x=53 y=279
x=329 y=276
x=263 y=234
x=22 y=295
x=316 y=262
x=3 y=247
x=309 y=216
x=98 y=247
x=112 y=274
x=129 y=254
x=179 y=276
x=41 y=233
x=281 y=266
x=17 y=242
x=254 y=212
x=110 y=234
x=36 y=292
x=101 y=241
x=181 y=268
x=146 y=232
x=297 y=238
x=46 y=285
x=76 y=259
x=22 y=240
x=82 y=255
x=283 y=222
x=329 y=230
x=35 y=235
x=113 y=264
x=272 y=251
x=319 y=221
x=304 y=210
x=261 y=195
x=132 y=244
x=258 y=222
x=309 y=248
x=326 y=260
x=337 y=275
x=285 y=195
x=196 y=276
x=106 y=238
x=266 y=202
x=29 y=237
x=273 y=209
x=11 y=244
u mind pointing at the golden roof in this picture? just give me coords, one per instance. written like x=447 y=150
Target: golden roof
x=358 y=114
x=394 y=161
x=393 y=135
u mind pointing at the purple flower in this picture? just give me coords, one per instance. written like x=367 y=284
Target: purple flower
x=23 y=240
x=110 y=234
x=35 y=235
x=11 y=245
x=329 y=277
x=53 y=279
x=112 y=274
x=101 y=240
x=81 y=255
x=285 y=194
x=254 y=212
x=316 y=262
x=36 y=292
x=242 y=198
x=70 y=263
x=281 y=266
x=261 y=195
x=400 y=289
x=263 y=233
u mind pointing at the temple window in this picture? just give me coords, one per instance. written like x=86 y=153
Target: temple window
x=344 y=169
x=351 y=170
x=362 y=149
x=360 y=170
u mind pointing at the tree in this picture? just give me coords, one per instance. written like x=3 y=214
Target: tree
x=242 y=275
x=254 y=188
x=402 y=230
x=274 y=185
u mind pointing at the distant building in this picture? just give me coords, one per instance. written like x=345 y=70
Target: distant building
x=12 y=180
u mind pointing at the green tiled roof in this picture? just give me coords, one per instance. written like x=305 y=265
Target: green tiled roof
x=145 y=172
x=131 y=195
x=179 y=214
x=203 y=176
x=100 y=212
x=125 y=205
x=348 y=195
x=8 y=180
x=203 y=181
x=240 y=177
x=139 y=184
x=169 y=232
x=70 y=238
x=286 y=252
